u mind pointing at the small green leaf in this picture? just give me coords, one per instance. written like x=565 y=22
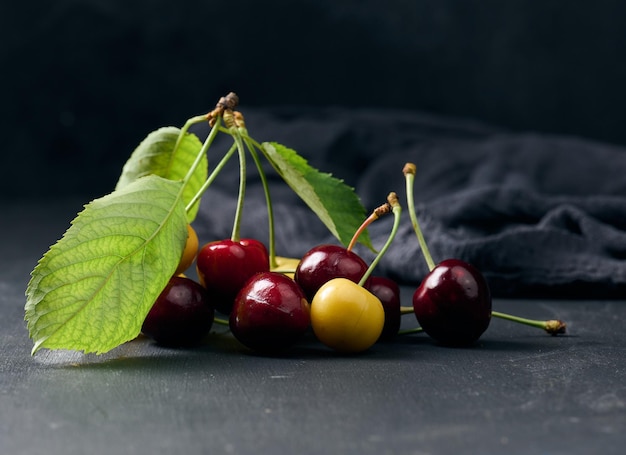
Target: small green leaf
x=93 y=288
x=335 y=203
x=155 y=155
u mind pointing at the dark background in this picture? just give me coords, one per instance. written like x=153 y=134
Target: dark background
x=84 y=81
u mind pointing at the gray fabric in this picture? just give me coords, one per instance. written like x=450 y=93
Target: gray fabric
x=539 y=215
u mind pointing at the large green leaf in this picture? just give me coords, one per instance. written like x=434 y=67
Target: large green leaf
x=155 y=155
x=93 y=288
x=335 y=203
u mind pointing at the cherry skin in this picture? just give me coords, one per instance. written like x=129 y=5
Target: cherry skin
x=181 y=315
x=224 y=266
x=388 y=292
x=346 y=317
x=325 y=262
x=190 y=251
x=453 y=303
x=270 y=313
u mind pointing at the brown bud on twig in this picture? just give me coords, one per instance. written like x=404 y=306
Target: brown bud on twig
x=229 y=101
x=225 y=103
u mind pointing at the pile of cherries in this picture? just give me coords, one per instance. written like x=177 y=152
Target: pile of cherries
x=330 y=290
x=269 y=311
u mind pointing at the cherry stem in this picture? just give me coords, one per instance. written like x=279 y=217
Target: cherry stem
x=553 y=326
x=220 y=321
x=377 y=213
x=242 y=187
x=410 y=331
x=236 y=128
x=185 y=128
x=268 y=199
x=212 y=176
x=203 y=150
x=392 y=200
x=253 y=146
x=409 y=175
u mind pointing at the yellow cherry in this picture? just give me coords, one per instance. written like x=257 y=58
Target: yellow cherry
x=346 y=317
x=190 y=251
x=286 y=265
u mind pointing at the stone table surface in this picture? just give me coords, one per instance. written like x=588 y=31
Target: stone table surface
x=518 y=391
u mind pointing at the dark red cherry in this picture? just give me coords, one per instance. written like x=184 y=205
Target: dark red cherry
x=270 y=313
x=453 y=303
x=224 y=267
x=181 y=315
x=325 y=262
x=388 y=292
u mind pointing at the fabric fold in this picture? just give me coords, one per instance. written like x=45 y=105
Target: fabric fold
x=539 y=215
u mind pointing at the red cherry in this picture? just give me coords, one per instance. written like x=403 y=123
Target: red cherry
x=325 y=262
x=270 y=313
x=181 y=315
x=453 y=303
x=388 y=292
x=224 y=267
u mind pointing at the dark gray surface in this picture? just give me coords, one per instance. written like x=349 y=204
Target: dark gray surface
x=517 y=392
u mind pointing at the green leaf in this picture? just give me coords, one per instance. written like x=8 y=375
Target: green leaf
x=335 y=203
x=155 y=155
x=93 y=288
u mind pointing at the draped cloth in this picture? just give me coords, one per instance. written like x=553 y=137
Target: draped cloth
x=540 y=215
